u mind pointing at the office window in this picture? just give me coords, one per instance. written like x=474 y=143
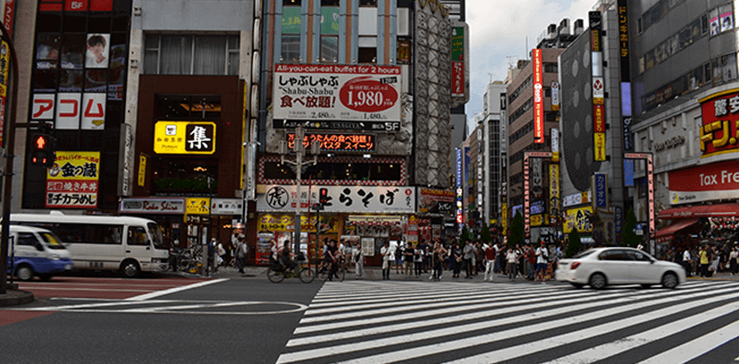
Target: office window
x=291 y=24
x=329 y=52
x=190 y=54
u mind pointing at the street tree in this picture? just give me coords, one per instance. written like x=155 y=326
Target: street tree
x=629 y=236
x=574 y=245
x=515 y=235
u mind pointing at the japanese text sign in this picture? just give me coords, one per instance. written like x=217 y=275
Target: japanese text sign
x=719 y=132
x=184 y=137
x=337 y=142
x=538 y=97
x=336 y=92
x=73 y=180
x=351 y=199
x=601 y=191
x=578 y=218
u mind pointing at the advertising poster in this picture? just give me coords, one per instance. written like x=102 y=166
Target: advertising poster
x=336 y=92
x=72 y=182
x=435 y=201
x=578 y=218
x=720 y=124
x=96 y=54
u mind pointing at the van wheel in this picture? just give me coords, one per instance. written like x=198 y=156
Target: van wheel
x=130 y=269
x=24 y=272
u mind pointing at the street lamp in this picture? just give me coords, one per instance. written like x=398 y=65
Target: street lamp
x=298 y=164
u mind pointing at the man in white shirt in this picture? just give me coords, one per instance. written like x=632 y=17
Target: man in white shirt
x=686 y=262
x=542 y=261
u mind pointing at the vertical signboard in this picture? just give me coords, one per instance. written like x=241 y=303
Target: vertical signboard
x=598 y=87
x=628 y=173
x=601 y=191
x=553 y=193
x=538 y=97
x=526 y=201
x=555 y=96
x=8 y=18
x=623 y=39
x=458 y=62
x=554 y=139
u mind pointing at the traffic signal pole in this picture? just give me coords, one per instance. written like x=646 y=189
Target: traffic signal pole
x=9 y=133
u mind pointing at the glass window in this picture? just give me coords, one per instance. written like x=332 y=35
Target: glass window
x=47 y=47
x=70 y=81
x=176 y=53
x=44 y=78
x=26 y=239
x=290 y=48
x=73 y=51
x=105 y=234
x=367 y=55
x=96 y=80
x=329 y=48
x=137 y=236
x=210 y=55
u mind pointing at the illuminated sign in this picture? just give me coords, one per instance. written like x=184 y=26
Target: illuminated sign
x=555 y=96
x=599 y=146
x=184 y=137
x=538 y=97
x=554 y=139
x=578 y=218
x=599 y=119
x=526 y=201
x=336 y=92
x=599 y=92
x=623 y=39
x=73 y=180
x=337 y=142
x=458 y=62
x=601 y=191
x=719 y=132
x=197 y=206
x=153 y=205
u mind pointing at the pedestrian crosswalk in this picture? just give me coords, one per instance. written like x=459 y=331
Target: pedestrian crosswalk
x=461 y=322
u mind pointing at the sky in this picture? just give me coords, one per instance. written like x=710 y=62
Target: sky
x=498 y=34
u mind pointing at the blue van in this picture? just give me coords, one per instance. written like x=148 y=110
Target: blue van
x=37 y=252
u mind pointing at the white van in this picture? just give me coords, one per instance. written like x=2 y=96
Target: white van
x=37 y=252
x=121 y=243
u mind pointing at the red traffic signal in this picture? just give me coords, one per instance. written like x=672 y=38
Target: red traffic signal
x=42 y=150
x=323 y=196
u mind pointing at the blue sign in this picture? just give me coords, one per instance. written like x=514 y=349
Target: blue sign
x=628 y=172
x=537 y=207
x=459 y=168
x=618 y=220
x=601 y=191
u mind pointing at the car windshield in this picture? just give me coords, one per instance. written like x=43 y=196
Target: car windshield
x=52 y=241
x=582 y=254
x=156 y=234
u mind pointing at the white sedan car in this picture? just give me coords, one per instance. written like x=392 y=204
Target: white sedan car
x=600 y=267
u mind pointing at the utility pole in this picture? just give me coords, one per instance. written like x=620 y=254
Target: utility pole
x=298 y=164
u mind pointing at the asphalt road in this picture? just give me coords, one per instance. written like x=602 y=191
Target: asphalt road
x=232 y=318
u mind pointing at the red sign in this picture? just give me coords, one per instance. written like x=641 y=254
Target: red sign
x=9 y=16
x=50 y=5
x=75 y=5
x=538 y=97
x=365 y=94
x=719 y=133
x=337 y=142
x=709 y=182
x=599 y=120
x=457 y=78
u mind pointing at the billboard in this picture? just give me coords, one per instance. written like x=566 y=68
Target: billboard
x=538 y=96
x=578 y=218
x=720 y=123
x=336 y=92
x=184 y=137
x=72 y=182
x=341 y=199
x=458 y=62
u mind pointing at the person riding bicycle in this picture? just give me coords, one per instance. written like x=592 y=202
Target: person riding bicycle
x=286 y=258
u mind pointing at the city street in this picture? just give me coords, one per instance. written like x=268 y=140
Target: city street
x=235 y=319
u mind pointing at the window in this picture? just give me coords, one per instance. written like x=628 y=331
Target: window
x=187 y=107
x=137 y=236
x=368 y=3
x=550 y=68
x=329 y=31
x=367 y=55
x=191 y=54
x=291 y=25
x=27 y=239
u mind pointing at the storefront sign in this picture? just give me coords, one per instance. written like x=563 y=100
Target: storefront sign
x=142 y=169
x=576 y=199
x=184 y=137
x=153 y=205
x=336 y=92
x=623 y=38
x=341 y=199
x=709 y=182
x=628 y=173
x=385 y=126
x=554 y=139
x=628 y=144
x=537 y=207
x=578 y=218
x=618 y=220
x=337 y=142
x=226 y=206
x=599 y=146
x=435 y=201
x=537 y=220
x=4 y=68
x=538 y=96
x=599 y=119
x=278 y=222
x=197 y=206
x=553 y=191
x=73 y=180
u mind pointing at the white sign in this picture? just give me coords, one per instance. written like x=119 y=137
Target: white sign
x=226 y=206
x=577 y=199
x=43 y=106
x=341 y=199
x=555 y=96
x=599 y=90
x=93 y=112
x=68 y=110
x=153 y=205
x=337 y=92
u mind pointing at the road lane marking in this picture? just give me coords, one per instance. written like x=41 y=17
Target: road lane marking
x=175 y=290
x=695 y=348
x=165 y=307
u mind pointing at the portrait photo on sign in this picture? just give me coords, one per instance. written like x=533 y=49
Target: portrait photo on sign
x=97 y=47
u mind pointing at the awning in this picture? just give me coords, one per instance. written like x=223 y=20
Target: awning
x=667 y=234
x=719 y=210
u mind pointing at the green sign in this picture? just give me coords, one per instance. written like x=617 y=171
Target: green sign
x=291 y=20
x=457 y=44
x=329 y=20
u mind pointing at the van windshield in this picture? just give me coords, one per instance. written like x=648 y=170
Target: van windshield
x=52 y=241
x=156 y=234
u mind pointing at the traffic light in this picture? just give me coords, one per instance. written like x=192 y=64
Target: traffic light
x=42 y=150
x=323 y=197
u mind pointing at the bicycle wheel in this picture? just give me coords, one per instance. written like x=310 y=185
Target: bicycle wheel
x=306 y=275
x=322 y=273
x=275 y=276
x=341 y=274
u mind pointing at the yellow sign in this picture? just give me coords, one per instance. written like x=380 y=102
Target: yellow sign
x=142 y=169
x=504 y=216
x=536 y=220
x=599 y=146
x=197 y=206
x=4 y=66
x=273 y=223
x=578 y=218
x=184 y=137
x=72 y=182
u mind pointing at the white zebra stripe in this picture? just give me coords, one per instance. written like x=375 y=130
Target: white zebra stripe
x=695 y=348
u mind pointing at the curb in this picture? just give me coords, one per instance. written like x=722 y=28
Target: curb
x=14 y=298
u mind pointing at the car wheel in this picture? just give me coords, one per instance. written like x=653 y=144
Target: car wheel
x=646 y=285
x=130 y=269
x=597 y=281
x=669 y=280
x=24 y=272
x=577 y=285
